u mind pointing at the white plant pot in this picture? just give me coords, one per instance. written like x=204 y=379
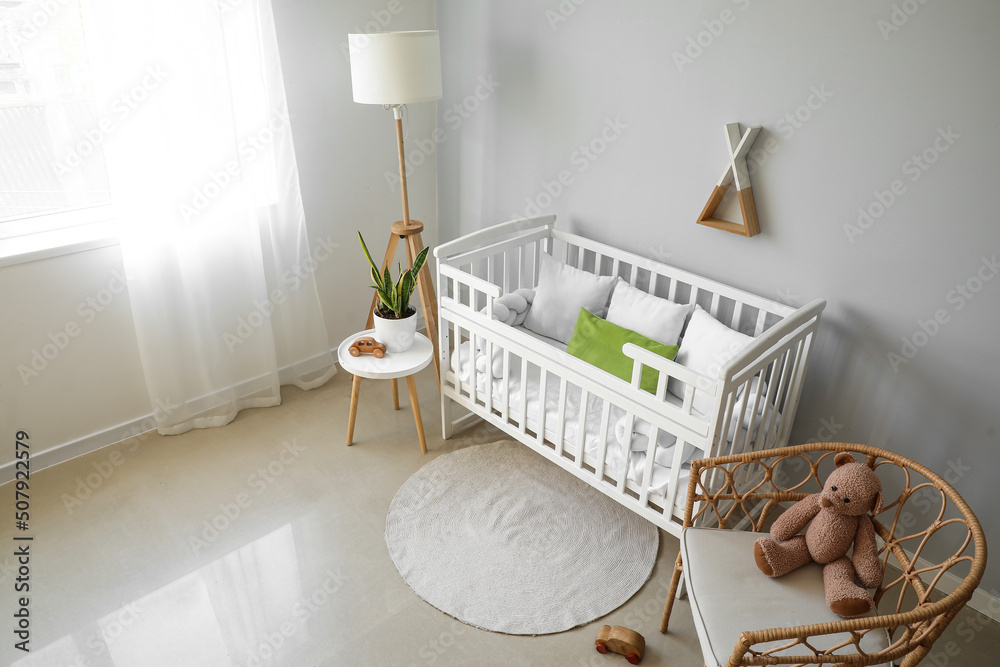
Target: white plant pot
x=396 y=334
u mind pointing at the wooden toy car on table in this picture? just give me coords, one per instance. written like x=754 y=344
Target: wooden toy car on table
x=628 y=643
x=367 y=345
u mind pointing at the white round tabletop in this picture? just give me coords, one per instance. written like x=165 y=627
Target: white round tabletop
x=392 y=365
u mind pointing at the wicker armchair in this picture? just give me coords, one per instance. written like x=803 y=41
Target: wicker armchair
x=925 y=526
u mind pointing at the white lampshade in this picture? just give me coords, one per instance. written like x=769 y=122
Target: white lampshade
x=396 y=67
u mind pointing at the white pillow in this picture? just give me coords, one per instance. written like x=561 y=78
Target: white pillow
x=653 y=317
x=560 y=294
x=707 y=345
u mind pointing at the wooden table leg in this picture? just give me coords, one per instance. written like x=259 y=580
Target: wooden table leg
x=416 y=412
x=395 y=395
x=355 y=394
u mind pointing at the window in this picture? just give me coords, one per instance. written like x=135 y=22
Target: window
x=52 y=169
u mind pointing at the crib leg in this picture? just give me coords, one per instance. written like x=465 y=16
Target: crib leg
x=447 y=427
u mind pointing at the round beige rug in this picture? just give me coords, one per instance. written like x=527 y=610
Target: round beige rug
x=500 y=538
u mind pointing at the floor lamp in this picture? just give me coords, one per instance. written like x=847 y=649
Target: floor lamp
x=394 y=69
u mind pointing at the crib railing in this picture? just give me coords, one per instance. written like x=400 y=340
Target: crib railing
x=550 y=437
x=756 y=392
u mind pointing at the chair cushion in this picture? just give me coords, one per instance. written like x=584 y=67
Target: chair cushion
x=730 y=595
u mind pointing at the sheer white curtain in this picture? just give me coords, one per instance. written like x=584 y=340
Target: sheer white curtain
x=205 y=187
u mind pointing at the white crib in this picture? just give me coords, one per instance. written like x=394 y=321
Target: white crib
x=585 y=419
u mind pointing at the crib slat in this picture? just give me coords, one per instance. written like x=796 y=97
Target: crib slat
x=673 y=481
x=672 y=290
x=794 y=389
x=508 y=271
x=561 y=418
x=581 y=428
x=633 y=275
x=774 y=427
x=739 y=417
x=647 y=472
x=758 y=410
x=737 y=316
x=544 y=246
x=761 y=318
x=488 y=398
x=505 y=395
x=615 y=266
x=602 y=442
x=524 y=395
x=626 y=453
x=520 y=266
x=755 y=405
x=474 y=371
x=720 y=438
x=542 y=381
x=715 y=305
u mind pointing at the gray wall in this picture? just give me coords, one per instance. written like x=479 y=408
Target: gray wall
x=856 y=99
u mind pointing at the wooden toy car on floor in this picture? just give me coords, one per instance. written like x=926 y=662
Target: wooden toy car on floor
x=367 y=345
x=628 y=643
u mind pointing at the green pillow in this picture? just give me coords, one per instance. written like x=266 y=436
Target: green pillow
x=599 y=342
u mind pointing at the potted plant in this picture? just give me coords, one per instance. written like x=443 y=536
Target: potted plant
x=395 y=319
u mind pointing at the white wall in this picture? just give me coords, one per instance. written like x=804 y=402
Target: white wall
x=846 y=101
x=92 y=393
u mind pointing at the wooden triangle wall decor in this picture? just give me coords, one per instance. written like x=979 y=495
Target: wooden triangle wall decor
x=739 y=145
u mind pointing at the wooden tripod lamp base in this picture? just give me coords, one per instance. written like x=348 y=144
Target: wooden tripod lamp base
x=410 y=235
x=736 y=170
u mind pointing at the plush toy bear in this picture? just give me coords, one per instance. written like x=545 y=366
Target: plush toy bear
x=837 y=518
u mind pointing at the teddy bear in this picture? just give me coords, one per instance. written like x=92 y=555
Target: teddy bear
x=837 y=517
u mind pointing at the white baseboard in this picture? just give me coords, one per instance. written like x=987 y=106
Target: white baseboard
x=136 y=427
x=141 y=425
x=85 y=445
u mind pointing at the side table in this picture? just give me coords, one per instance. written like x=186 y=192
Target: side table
x=390 y=367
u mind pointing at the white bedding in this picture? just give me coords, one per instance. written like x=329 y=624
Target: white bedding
x=617 y=422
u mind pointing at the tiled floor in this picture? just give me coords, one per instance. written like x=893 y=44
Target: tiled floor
x=262 y=543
